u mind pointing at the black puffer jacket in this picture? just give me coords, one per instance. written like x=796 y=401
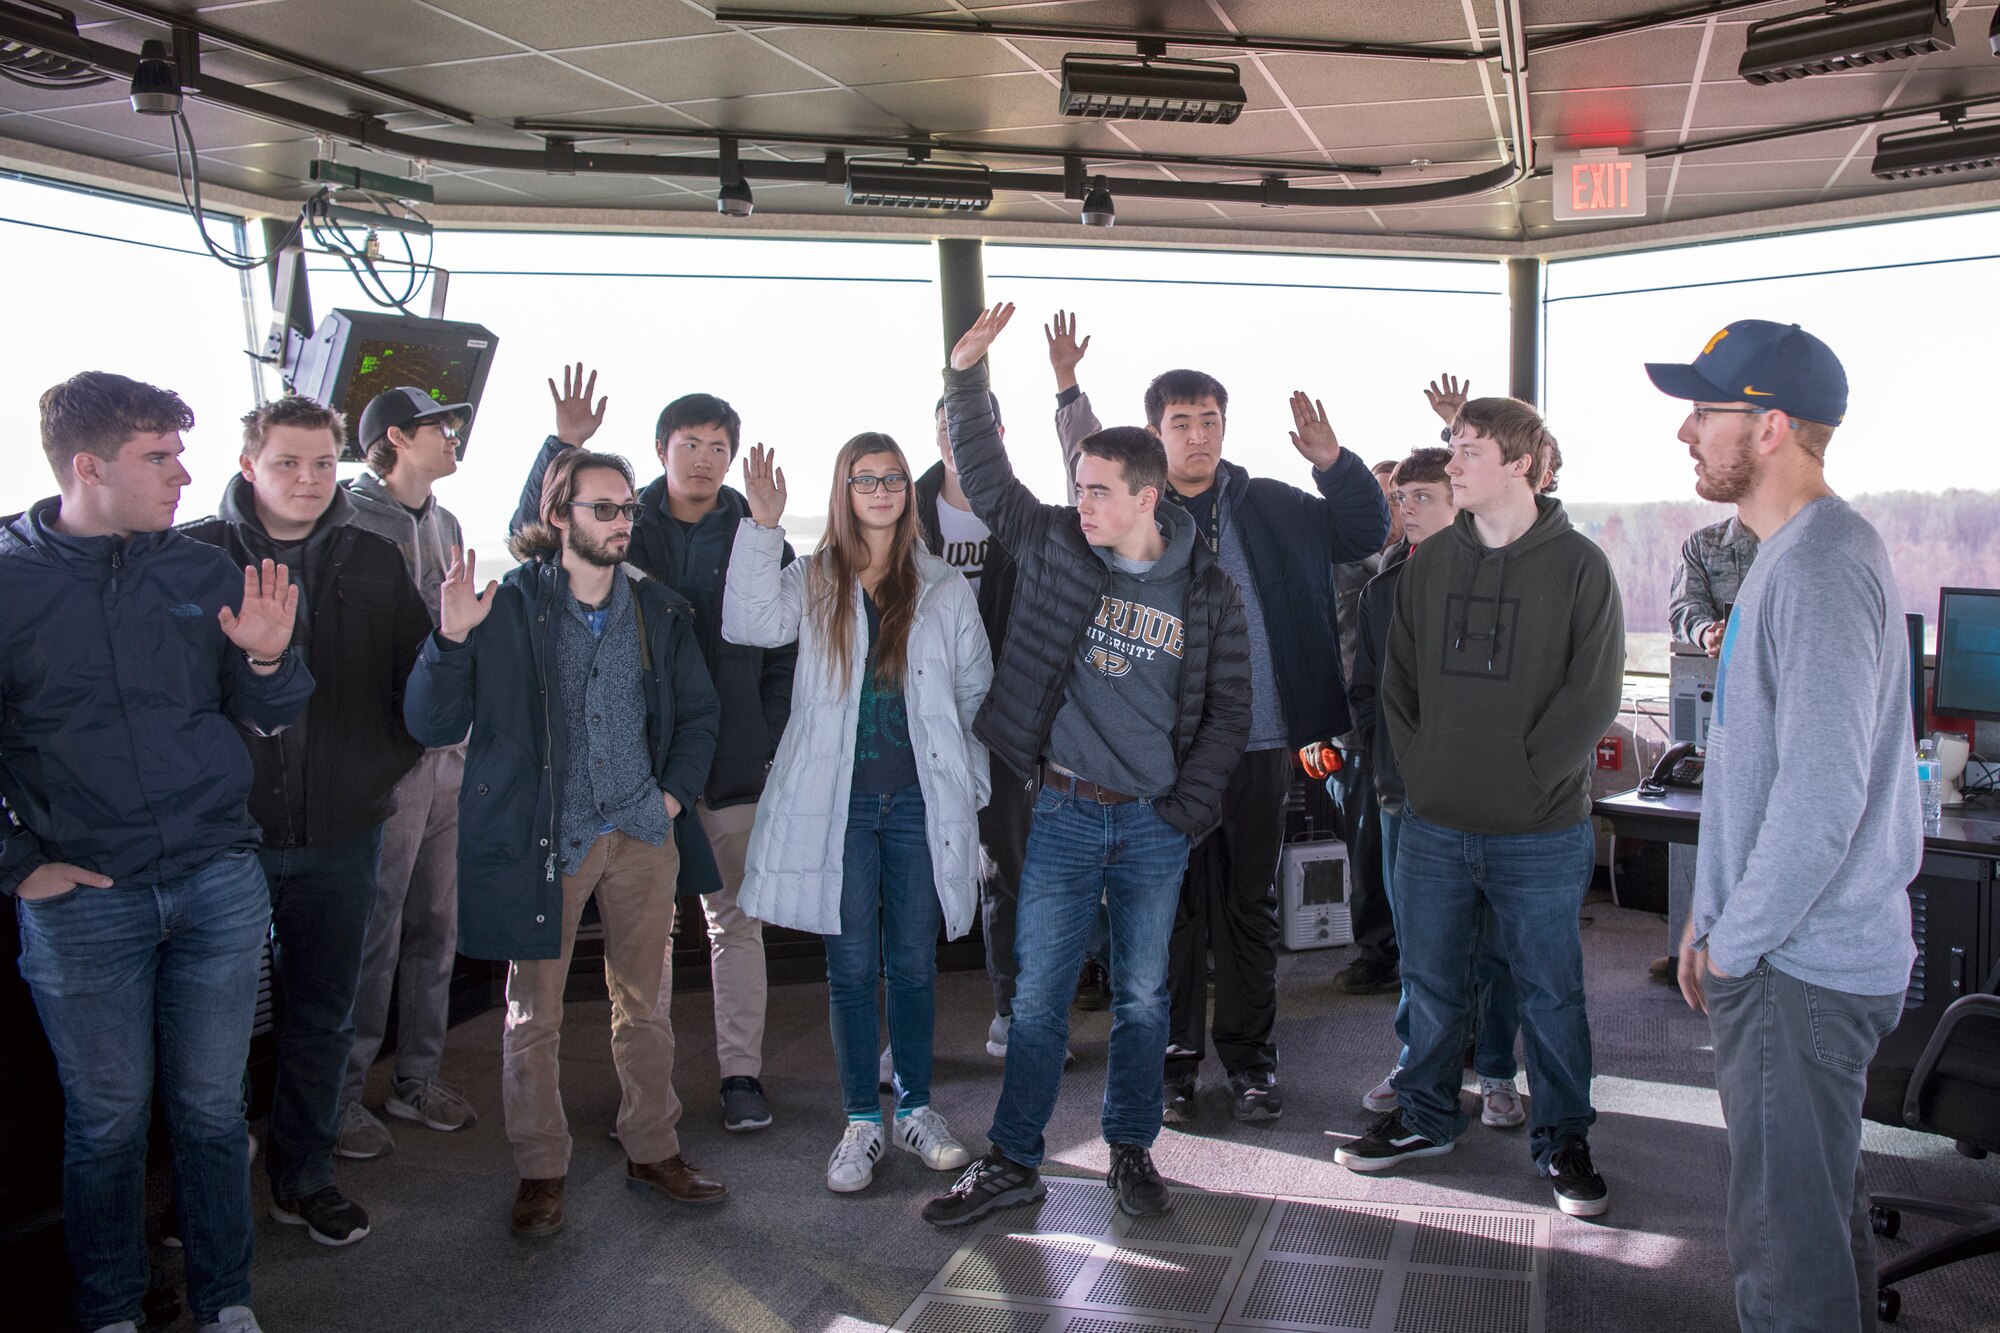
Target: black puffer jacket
x=754 y=684
x=333 y=777
x=1371 y=640
x=996 y=578
x=1063 y=579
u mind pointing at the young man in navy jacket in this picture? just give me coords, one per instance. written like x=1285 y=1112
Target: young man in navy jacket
x=129 y=655
x=592 y=729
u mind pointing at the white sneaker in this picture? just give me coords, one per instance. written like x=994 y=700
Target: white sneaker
x=885 y=1070
x=924 y=1132
x=233 y=1319
x=996 y=1036
x=1382 y=1097
x=1500 y=1104
x=852 y=1166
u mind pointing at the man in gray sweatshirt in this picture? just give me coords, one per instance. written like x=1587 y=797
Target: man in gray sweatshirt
x=412 y=442
x=1799 y=944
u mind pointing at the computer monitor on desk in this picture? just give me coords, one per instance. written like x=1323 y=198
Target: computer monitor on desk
x=1967 y=683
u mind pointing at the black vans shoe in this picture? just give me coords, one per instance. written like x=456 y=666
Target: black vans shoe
x=1580 y=1191
x=989 y=1183
x=1387 y=1142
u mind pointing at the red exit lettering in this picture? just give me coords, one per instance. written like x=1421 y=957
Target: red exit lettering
x=1600 y=185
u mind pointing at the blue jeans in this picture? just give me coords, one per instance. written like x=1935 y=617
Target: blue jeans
x=119 y=974
x=1078 y=852
x=1532 y=886
x=321 y=899
x=1497 y=1017
x=889 y=914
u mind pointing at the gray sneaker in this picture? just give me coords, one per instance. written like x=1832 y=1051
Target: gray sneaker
x=432 y=1103
x=361 y=1137
x=233 y=1319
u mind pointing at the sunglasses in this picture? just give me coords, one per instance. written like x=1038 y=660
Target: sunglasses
x=604 y=511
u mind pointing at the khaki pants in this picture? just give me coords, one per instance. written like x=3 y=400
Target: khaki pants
x=735 y=947
x=634 y=885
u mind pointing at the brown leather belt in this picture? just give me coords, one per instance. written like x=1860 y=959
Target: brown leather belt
x=1083 y=788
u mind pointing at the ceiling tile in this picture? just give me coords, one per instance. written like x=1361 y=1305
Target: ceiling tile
x=1737 y=103
x=1605 y=117
x=1255 y=134
x=1825 y=144
x=823 y=111
x=213 y=126
x=1405 y=22
x=1748 y=177
x=1388 y=124
x=1659 y=56
x=857 y=58
x=696 y=68
x=508 y=87
x=556 y=27
x=365 y=34
x=952 y=106
x=1315 y=81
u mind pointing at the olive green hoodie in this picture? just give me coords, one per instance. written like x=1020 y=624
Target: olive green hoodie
x=1504 y=669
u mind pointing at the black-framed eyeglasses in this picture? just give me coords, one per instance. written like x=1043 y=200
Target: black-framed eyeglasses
x=1702 y=414
x=895 y=483
x=444 y=427
x=604 y=510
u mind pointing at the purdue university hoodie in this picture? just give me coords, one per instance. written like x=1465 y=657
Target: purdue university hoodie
x=1504 y=668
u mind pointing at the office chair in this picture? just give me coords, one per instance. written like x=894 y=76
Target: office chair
x=1954 y=1091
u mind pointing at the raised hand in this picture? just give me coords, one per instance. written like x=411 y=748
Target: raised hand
x=1311 y=435
x=764 y=486
x=1449 y=398
x=263 y=627
x=460 y=609
x=575 y=422
x=972 y=346
x=1064 y=350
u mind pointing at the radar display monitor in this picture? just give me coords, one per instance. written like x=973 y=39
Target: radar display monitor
x=357 y=354
x=1967 y=682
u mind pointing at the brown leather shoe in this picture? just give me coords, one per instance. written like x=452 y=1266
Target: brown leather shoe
x=677 y=1178
x=538 y=1207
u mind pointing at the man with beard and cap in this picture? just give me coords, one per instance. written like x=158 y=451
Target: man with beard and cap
x=322 y=788
x=592 y=727
x=1799 y=943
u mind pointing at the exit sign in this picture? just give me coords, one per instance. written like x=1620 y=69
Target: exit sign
x=1599 y=183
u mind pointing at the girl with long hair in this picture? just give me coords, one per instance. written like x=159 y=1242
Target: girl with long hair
x=868 y=831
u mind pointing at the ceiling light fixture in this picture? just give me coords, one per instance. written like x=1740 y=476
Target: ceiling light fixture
x=1146 y=87
x=156 y=84
x=1961 y=146
x=732 y=199
x=1847 y=34
x=878 y=183
x=1098 y=210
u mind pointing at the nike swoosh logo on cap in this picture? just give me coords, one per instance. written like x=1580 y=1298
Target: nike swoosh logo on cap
x=1757 y=393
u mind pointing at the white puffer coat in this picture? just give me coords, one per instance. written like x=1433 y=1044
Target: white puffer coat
x=792 y=874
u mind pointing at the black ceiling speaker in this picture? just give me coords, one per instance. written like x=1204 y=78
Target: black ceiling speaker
x=1843 y=36
x=1144 y=88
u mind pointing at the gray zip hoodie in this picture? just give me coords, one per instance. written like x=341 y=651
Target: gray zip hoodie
x=1116 y=723
x=426 y=538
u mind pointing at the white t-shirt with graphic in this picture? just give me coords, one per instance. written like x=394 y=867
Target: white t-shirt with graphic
x=963 y=540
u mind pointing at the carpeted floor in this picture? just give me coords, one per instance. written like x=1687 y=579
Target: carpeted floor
x=784 y=1253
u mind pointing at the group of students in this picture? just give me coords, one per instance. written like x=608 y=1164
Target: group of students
x=306 y=718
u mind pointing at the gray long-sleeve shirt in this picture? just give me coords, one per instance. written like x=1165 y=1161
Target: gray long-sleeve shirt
x=1810 y=826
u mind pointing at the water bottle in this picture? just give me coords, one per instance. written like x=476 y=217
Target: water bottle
x=1930 y=782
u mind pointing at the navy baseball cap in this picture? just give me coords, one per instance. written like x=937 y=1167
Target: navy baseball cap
x=402 y=407
x=1757 y=361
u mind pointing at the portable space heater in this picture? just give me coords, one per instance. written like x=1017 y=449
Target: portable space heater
x=1312 y=882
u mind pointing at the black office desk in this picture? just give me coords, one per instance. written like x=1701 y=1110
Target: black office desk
x=1954 y=903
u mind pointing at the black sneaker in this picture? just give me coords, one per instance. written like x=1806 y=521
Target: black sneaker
x=1093 y=986
x=1580 y=1191
x=743 y=1104
x=1177 y=1106
x=1365 y=976
x=1136 y=1182
x=327 y=1217
x=989 y=1183
x=1387 y=1142
x=1255 y=1096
